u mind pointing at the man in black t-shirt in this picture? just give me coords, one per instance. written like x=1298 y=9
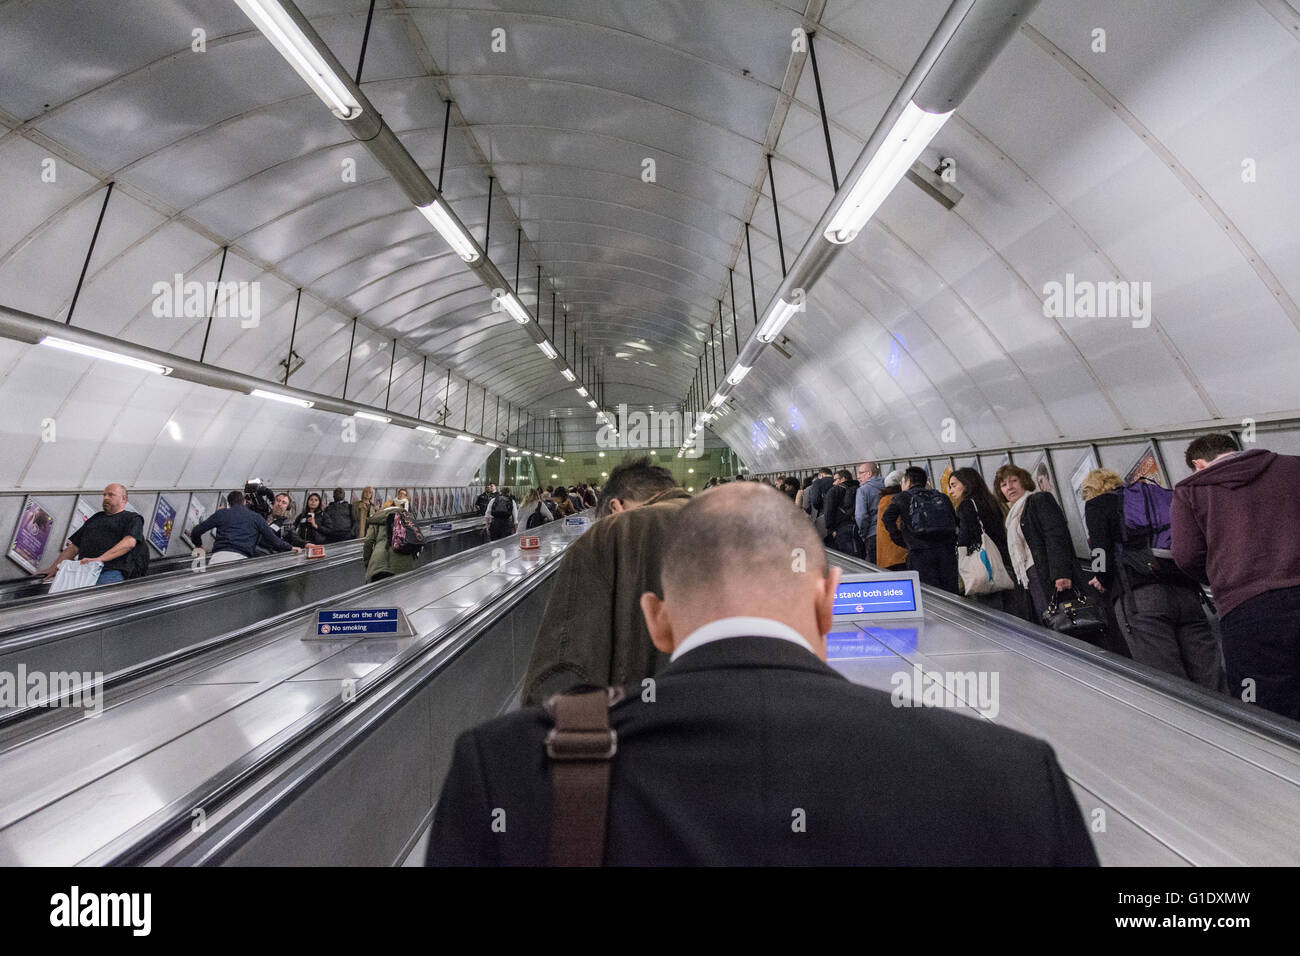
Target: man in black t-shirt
x=110 y=536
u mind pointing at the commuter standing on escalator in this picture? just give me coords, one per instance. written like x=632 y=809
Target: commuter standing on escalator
x=238 y=532
x=562 y=506
x=381 y=560
x=502 y=519
x=114 y=536
x=889 y=555
x=336 y=521
x=1158 y=608
x=923 y=520
x=362 y=510
x=1234 y=525
x=978 y=514
x=841 y=529
x=482 y=501
x=280 y=523
x=308 y=524
x=592 y=630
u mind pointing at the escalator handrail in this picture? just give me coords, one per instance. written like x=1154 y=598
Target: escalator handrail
x=137 y=604
x=1263 y=722
x=319 y=739
x=141 y=669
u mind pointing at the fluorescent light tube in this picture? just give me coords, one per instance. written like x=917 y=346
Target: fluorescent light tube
x=569 y=376
x=738 y=374
x=460 y=243
x=467 y=438
x=591 y=403
x=286 y=36
x=426 y=428
x=512 y=450
x=277 y=397
x=776 y=320
x=718 y=400
x=91 y=352
x=901 y=148
x=511 y=304
x=582 y=391
x=548 y=349
x=371 y=417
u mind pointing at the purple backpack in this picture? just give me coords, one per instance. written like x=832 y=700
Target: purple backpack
x=1145 y=508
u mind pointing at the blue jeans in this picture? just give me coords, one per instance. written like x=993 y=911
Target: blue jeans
x=110 y=577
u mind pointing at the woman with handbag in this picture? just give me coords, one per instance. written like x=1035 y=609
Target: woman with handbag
x=1042 y=556
x=982 y=556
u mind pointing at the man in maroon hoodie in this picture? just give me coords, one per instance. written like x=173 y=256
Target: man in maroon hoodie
x=1236 y=525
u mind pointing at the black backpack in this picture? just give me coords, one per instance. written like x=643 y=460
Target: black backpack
x=538 y=516
x=139 y=560
x=844 y=513
x=501 y=508
x=930 y=513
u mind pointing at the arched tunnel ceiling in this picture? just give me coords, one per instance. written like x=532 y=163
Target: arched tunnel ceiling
x=1125 y=165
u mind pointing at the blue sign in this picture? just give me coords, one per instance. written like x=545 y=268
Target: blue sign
x=358 y=623
x=860 y=645
x=440 y=526
x=874 y=597
x=575 y=523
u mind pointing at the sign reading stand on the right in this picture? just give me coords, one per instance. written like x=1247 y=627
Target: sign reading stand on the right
x=877 y=595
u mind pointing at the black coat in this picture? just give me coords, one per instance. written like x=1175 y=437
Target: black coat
x=841 y=529
x=972 y=518
x=754 y=752
x=815 y=500
x=1048 y=537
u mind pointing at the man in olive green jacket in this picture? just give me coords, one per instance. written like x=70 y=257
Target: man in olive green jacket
x=593 y=631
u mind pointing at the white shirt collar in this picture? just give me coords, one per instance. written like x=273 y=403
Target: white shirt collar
x=739 y=627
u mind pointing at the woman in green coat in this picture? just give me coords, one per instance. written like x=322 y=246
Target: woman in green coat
x=381 y=561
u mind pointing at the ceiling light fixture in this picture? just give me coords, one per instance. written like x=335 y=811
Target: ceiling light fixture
x=776 y=320
x=901 y=148
x=510 y=302
x=449 y=229
x=548 y=349
x=277 y=397
x=116 y=358
x=372 y=417
x=294 y=45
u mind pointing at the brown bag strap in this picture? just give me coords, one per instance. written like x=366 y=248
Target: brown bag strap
x=580 y=747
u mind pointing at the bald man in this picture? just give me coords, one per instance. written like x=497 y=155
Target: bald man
x=110 y=536
x=747 y=749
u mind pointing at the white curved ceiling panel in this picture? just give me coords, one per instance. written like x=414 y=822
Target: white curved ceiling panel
x=1116 y=166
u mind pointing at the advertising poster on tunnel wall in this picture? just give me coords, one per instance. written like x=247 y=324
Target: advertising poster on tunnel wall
x=81 y=512
x=1081 y=471
x=1041 y=472
x=31 y=535
x=164 y=521
x=1147 y=466
x=193 y=515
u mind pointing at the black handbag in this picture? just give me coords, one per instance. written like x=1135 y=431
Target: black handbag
x=1076 y=615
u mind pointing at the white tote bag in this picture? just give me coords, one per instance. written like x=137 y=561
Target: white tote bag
x=982 y=571
x=74 y=574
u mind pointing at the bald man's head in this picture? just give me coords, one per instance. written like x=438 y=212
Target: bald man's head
x=114 y=498
x=747 y=532
x=742 y=550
